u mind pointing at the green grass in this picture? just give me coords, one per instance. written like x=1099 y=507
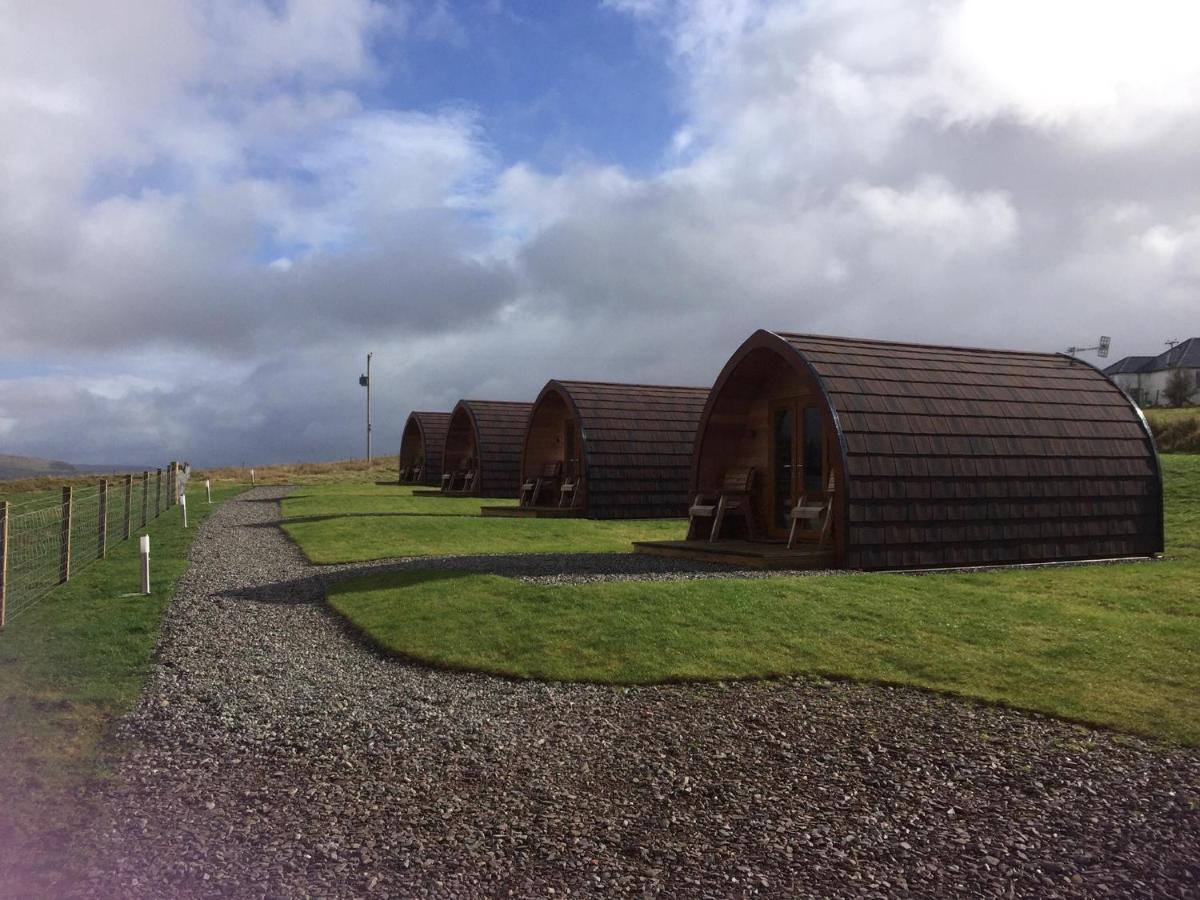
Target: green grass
x=351 y=523
x=1114 y=645
x=74 y=662
x=1175 y=430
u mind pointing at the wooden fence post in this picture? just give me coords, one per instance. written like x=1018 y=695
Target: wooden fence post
x=64 y=556
x=145 y=495
x=170 y=484
x=3 y=560
x=158 y=494
x=128 y=500
x=102 y=525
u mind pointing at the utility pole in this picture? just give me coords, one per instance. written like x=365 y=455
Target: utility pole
x=365 y=381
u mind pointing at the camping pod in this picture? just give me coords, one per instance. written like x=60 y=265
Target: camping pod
x=482 y=452
x=925 y=456
x=421 y=446
x=608 y=451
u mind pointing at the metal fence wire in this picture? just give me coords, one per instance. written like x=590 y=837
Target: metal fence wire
x=46 y=539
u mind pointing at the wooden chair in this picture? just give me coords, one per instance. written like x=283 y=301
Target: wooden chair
x=416 y=473
x=468 y=481
x=405 y=471
x=535 y=484
x=448 y=480
x=811 y=510
x=734 y=496
x=568 y=494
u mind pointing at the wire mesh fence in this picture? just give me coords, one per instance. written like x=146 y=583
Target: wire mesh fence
x=49 y=536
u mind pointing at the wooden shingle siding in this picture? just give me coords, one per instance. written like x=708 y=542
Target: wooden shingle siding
x=428 y=431
x=498 y=430
x=636 y=442
x=958 y=456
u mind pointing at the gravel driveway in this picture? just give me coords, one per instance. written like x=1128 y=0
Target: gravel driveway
x=274 y=755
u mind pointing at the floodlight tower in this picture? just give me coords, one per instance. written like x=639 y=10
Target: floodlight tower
x=365 y=381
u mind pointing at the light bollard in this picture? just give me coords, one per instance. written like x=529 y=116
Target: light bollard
x=208 y=490
x=145 y=547
x=183 y=506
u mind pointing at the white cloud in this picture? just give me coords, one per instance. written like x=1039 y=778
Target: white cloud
x=201 y=203
x=1123 y=71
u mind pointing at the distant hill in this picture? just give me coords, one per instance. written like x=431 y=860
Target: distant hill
x=32 y=467
x=13 y=467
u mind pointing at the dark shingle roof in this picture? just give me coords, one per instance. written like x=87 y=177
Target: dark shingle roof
x=1130 y=365
x=1184 y=355
x=637 y=442
x=958 y=456
x=430 y=429
x=499 y=427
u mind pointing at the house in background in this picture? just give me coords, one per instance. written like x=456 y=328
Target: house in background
x=1144 y=378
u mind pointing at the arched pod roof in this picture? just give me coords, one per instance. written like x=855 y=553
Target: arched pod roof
x=498 y=431
x=960 y=456
x=636 y=441
x=429 y=430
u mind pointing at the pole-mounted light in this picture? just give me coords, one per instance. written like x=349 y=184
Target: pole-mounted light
x=365 y=381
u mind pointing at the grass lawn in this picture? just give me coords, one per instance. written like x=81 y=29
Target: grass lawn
x=1114 y=645
x=74 y=662
x=1175 y=430
x=350 y=523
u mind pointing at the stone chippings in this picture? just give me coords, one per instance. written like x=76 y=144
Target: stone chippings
x=273 y=754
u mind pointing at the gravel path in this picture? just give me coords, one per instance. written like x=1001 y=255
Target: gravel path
x=274 y=755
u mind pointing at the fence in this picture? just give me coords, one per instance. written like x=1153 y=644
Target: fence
x=47 y=539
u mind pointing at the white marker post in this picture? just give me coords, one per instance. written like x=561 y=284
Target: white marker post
x=251 y=478
x=183 y=506
x=208 y=490
x=145 y=547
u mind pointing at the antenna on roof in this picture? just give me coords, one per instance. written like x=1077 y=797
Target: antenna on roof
x=1172 y=344
x=1101 y=348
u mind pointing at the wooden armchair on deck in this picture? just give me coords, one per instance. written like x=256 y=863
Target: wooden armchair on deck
x=811 y=509
x=734 y=496
x=405 y=471
x=463 y=476
x=535 y=484
x=568 y=494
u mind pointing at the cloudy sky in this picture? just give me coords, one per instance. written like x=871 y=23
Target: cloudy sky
x=211 y=211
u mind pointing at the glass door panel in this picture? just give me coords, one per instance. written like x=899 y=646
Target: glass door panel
x=570 y=463
x=783 y=454
x=814 y=452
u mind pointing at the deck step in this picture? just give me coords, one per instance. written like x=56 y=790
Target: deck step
x=749 y=554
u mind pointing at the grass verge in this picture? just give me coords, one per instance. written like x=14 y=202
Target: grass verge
x=1175 y=430
x=352 y=523
x=1112 y=645
x=74 y=663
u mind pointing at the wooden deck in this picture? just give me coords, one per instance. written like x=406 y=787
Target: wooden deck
x=438 y=492
x=532 y=512
x=750 y=554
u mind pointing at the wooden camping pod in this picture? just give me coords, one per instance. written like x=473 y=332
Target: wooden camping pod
x=421 y=446
x=628 y=445
x=484 y=437
x=937 y=456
